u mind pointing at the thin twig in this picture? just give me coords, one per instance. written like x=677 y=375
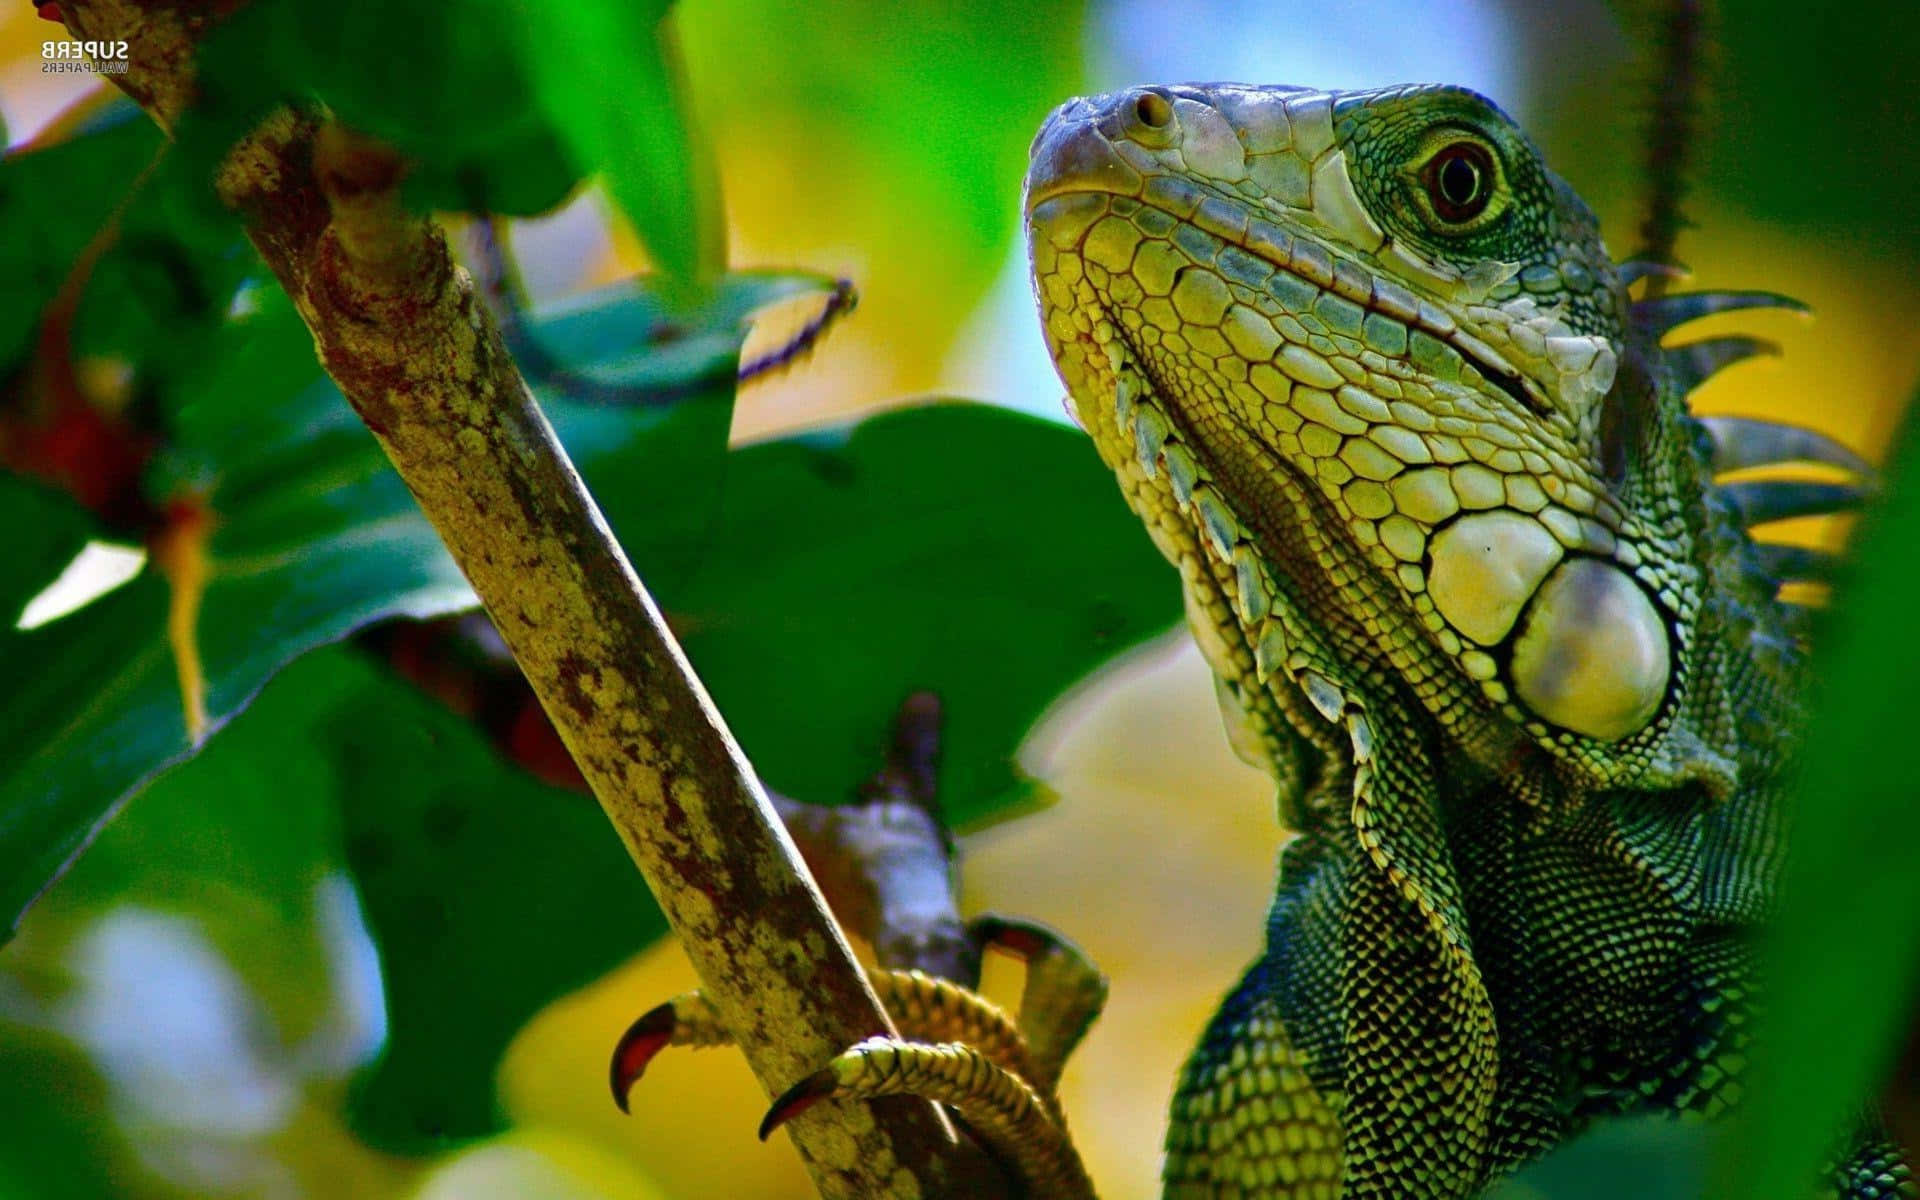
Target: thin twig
x=886 y=861
x=1678 y=88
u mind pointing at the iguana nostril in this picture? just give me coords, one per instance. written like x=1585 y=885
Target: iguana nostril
x=1153 y=110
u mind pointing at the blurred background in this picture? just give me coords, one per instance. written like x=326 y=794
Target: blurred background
x=194 y=1037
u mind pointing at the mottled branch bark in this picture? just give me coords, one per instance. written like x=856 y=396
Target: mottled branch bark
x=398 y=326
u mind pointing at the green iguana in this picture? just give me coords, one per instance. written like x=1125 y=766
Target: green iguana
x=1455 y=550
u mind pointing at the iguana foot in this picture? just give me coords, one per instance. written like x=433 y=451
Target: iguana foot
x=955 y=1046
x=1020 y=1126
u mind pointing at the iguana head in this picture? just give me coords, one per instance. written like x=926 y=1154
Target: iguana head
x=1363 y=365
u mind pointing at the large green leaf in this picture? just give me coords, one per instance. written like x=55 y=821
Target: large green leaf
x=58 y=1144
x=444 y=84
x=457 y=856
x=313 y=537
x=166 y=275
x=61 y=194
x=969 y=550
x=501 y=105
x=1647 y=1158
x=488 y=893
x=1845 y=950
x=240 y=843
x=609 y=79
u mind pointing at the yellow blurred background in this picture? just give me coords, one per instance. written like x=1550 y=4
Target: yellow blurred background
x=1158 y=856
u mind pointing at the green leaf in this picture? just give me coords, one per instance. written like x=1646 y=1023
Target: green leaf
x=914 y=119
x=1648 y=1158
x=54 y=1110
x=1845 y=950
x=609 y=77
x=972 y=551
x=445 y=84
x=56 y=199
x=489 y=895
x=44 y=531
x=313 y=538
x=239 y=840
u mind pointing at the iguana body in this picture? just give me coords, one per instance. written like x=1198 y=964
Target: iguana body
x=1457 y=554
x=1452 y=545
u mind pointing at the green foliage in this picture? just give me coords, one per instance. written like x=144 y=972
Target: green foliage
x=1647 y=1158
x=970 y=551
x=488 y=894
x=916 y=117
x=160 y=287
x=1844 y=956
x=58 y=1145
x=312 y=537
x=605 y=77
x=1853 y=128
x=446 y=84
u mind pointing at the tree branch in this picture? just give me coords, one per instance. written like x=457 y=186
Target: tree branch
x=1682 y=35
x=399 y=328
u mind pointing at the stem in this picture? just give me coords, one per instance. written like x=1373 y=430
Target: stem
x=1682 y=38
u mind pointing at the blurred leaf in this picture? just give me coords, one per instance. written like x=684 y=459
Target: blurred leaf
x=59 y=1142
x=56 y=199
x=898 y=129
x=1648 y=1158
x=1857 y=124
x=609 y=77
x=239 y=839
x=488 y=893
x=969 y=550
x=1845 y=950
x=44 y=531
x=161 y=293
x=445 y=84
x=313 y=537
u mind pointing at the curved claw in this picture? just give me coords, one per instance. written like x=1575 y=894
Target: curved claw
x=923 y=1009
x=799 y=1098
x=643 y=1039
x=685 y=1020
x=1063 y=995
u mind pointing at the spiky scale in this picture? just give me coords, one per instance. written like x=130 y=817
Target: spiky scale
x=1756 y=502
x=1696 y=362
x=1741 y=442
x=1660 y=315
x=1796 y=564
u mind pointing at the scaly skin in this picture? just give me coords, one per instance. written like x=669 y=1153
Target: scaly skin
x=1452 y=545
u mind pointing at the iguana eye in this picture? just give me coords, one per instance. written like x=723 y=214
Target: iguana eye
x=1459 y=181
